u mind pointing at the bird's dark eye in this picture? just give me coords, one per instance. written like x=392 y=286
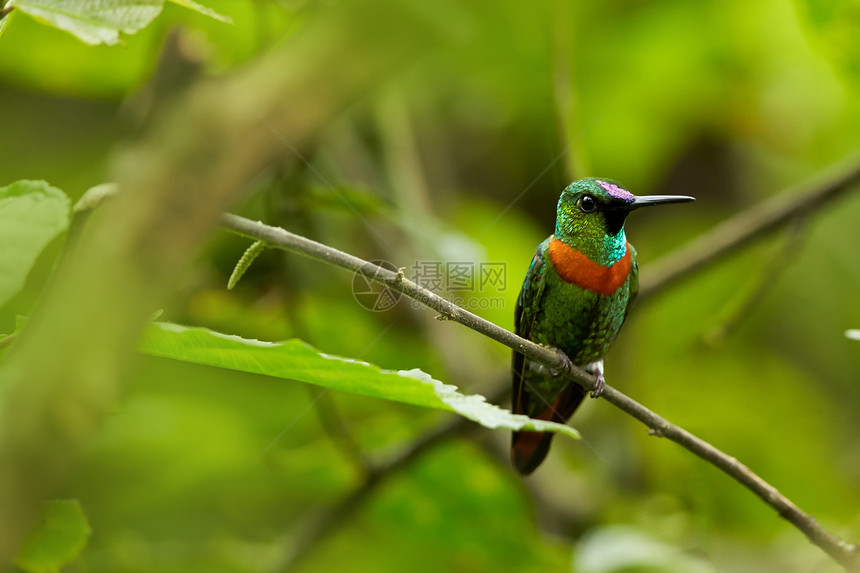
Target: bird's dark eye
x=587 y=204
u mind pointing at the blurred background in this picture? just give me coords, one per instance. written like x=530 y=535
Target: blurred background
x=458 y=156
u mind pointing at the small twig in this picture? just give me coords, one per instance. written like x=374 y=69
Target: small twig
x=5 y=11
x=764 y=280
x=746 y=227
x=337 y=429
x=839 y=550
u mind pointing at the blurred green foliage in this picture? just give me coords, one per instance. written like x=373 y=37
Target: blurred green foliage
x=58 y=541
x=460 y=157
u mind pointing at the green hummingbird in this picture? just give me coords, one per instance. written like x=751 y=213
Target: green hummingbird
x=576 y=295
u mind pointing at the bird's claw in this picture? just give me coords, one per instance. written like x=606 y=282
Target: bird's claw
x=599 y=384
x=567 y=366
x=566 y=362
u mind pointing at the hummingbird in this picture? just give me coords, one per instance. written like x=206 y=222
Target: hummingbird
x=577 y=292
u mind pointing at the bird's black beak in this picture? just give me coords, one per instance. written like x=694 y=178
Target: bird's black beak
x=616 y=215
x=648 y=200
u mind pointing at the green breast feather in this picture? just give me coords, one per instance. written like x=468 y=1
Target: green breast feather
x=561 y=315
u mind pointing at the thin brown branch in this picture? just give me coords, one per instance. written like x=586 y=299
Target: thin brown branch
x=748 y=226
x=842 y=552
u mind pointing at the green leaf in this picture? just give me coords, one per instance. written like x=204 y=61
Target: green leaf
x=32 y=213
x=297 y=360
x=93 y=21
x=58 y=540
x=191 y=5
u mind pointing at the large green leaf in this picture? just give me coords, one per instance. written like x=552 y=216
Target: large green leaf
x=297 y=360
x=58 y=540
x=31 y=214
x=93 y=21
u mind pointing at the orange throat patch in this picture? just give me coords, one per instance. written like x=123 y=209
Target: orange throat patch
x=576 y=268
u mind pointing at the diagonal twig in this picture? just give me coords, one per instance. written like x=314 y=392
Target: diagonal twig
x=842 y=552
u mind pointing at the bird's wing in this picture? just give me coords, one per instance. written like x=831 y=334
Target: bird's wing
x=633 y=281
x=525 y=314
x=528 y=449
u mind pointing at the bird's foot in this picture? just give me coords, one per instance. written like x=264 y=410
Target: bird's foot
x=566 y=363
x=596 y=368
x=599 y=384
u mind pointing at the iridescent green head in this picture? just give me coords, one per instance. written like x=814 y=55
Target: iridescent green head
x=597 y=208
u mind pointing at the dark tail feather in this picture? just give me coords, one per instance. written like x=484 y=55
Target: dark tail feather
x=528 y=449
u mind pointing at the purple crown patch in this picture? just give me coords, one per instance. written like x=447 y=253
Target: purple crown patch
x=617 y=192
